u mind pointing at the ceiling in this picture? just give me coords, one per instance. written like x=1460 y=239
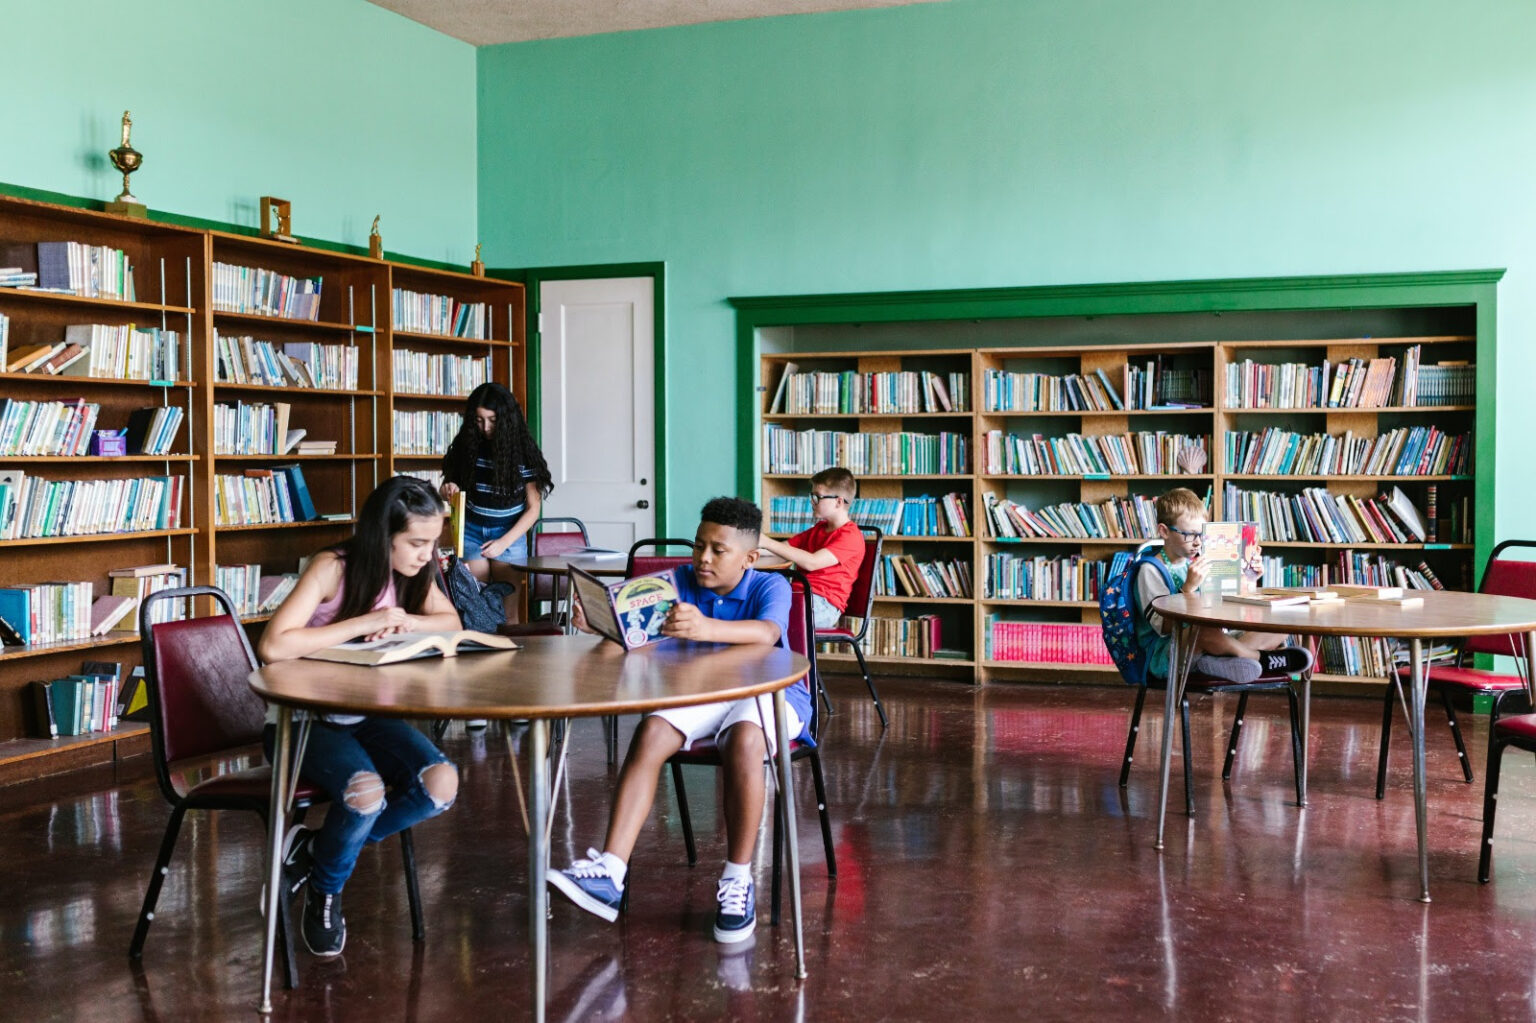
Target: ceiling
x=484 y=22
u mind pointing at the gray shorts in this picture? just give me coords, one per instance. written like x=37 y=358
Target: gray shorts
x=823 y=612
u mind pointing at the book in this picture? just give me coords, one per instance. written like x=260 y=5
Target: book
x=64 y=358
x=1269 y=599
x=27 y=356
x=44 y=725
x=1404 y=601
x=1310 y=592
x=457 y=513
x=1350 y=590
x=1397 y=502
x=790 y=369
x=134 y=698
x=1226 y=552
x=408 y=646
x=139 y=571
x=16 y=609
x=292 y=438
x=108 y=611
x=631 y=611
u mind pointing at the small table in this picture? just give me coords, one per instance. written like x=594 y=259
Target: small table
x=556 y=565
x=1444 y=614
x=550 y=677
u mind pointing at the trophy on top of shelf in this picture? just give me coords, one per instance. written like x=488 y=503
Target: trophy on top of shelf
x=375 y=240
x=477 y=268
x=127 y=160
x=283 y=232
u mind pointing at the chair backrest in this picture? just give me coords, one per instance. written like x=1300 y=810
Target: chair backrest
x=553 y=541
x=644 y=564
x=801 y=640
x=861 y=598
x=196 y=674
x=1509 y=577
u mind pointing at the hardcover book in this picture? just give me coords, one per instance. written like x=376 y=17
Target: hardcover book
x=631 y=611
x=408 y=646
x=1228 y=550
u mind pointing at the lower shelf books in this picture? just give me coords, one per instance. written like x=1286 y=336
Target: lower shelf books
x=897 y=637
x=1354 y=568
x=949 y=515
x=863 y=454
x=262 y=496
x=1119 y=517
x=1075 y=454
x=901 y=575
x=1317 y=516
x=48 y=612
x=423 y=373
x=252 y=592
x=31 y=506
x=46 y=427
x=78 y=704
x=1011 y=577
x=425 y=433
x=140 y=581
x=1046 y=642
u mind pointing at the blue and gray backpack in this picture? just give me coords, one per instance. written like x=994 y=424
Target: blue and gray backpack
x=1118 y=609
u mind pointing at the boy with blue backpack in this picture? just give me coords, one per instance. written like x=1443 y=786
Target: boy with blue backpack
x=1138 y=637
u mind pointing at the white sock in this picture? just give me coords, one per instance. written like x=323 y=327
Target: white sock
x=617 y=868
x=735 y=870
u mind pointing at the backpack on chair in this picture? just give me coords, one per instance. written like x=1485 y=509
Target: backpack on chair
x=480 y=606
x=1119 y=612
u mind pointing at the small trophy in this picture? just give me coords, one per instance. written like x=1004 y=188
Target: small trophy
x=477 y=268
x=283 y=231
x=127 y=160
x=375 y=241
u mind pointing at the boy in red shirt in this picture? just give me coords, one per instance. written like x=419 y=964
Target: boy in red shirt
x=831 y=551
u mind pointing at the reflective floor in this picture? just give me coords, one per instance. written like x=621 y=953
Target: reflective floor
x=989 y=867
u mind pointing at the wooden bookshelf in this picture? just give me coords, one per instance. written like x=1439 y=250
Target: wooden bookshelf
x=174 y=289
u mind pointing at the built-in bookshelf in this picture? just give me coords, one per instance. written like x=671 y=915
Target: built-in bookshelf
x=217 y=361
x=1339 y=447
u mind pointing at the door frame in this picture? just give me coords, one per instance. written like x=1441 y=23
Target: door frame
x=532 y=279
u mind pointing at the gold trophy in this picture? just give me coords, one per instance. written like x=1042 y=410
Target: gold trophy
x=127 y=160
x=375 y=241
x=477 y=268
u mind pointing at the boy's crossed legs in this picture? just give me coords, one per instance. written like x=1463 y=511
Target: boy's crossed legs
x=1245 y=656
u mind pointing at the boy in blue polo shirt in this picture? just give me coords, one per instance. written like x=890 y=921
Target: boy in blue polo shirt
x=722 y=599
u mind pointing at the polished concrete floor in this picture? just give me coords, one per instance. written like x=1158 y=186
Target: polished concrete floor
x=989 y=867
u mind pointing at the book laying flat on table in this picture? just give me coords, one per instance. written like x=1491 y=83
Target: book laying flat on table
x=630 y=611
x=1268 y=599
x=407 y=646
x=1401 y=600
x=1224 y=550
x=597 y=552
x=1310 y=592
x=1351 y=591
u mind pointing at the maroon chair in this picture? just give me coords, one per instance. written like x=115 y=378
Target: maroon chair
x=706 y=754
x=861 y=604
x=201 y=707
x=545 y=540
x=1505 y=576
x=1518 y=730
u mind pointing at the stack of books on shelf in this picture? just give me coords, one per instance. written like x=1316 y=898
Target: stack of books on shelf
x=441 y=314
x=863 y=454
x=1133 y=517
x=425 y=433
x=1316 y=516
x=920 y=637
x=1045 y=642
x=78 y=704
x=1127 y=454
x=92 y=271
x=311 y=447
x=31 y=428
x=252 y=592
x=245 y=360
x=139 y=581
x=259 y=429
x=245 y=289
x=450 y=375
x=262 y=497
x=901 y=575
x=32 y=507
x=1074 y=577
x=152 y=431
x=48 y=612
x=16 y=277
x=1407 y=451
x=1006 y=391
x=851 y=393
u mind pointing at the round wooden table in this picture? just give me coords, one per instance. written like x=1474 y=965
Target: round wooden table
x=1444 y=614
x=550 y=677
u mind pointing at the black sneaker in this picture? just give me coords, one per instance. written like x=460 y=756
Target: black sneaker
x=1288 y=660
x=325 y=930
x=298 y=864
x=736 y=914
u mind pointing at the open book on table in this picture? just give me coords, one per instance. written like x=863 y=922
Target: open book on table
x=407 y=646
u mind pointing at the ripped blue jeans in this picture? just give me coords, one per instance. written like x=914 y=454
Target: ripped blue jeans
x=388 y=747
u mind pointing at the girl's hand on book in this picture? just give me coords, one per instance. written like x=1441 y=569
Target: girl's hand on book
x=685 y=621
x=385 y=622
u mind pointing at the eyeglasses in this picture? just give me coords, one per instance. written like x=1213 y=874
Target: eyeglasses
x=1188 y=534
x=818 y=498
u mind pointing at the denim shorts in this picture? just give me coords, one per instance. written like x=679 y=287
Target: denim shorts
x=475 y=537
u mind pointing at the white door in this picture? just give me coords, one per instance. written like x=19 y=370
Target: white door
x=597 y=405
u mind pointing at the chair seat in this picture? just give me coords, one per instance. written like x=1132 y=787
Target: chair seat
x=1468 y=678
x=254 y=783
x=1520 y=728
x=837 y=635
x=707 y=753
x=1200 y=682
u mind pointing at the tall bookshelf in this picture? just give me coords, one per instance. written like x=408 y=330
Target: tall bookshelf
x=175 y=289
x=1445 y=317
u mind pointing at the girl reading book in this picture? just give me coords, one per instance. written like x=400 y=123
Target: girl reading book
x=381 y=774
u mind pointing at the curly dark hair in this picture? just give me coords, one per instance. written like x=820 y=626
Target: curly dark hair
x=367 y=570
x=509 y=447
x=740 y=515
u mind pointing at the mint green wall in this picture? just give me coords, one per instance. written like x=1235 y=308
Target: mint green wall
x=341 y=107
x=1004 y=142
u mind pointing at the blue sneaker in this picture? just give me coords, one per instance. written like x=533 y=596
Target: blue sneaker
x=589 y=884
x=736 y=916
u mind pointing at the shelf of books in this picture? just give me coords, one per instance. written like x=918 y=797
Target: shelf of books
x=173 y=403
x=1355 y=457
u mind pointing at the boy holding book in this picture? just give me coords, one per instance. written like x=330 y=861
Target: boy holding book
x=721 y=599
x=831 y=551
x=1235 y=657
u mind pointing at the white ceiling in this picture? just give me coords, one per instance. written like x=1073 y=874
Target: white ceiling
x=484 y=22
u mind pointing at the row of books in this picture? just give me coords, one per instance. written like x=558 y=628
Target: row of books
x=1158 y=386
x=153 y=430
x=851 y=393
x=431 y=476
x=1015 y=577
x=1446 y=383
x=77 y=704
x=247 y=289
x=256 y=429
x=48 y=612
x=1316 y=516
x=1350 y=655
x=441 y=314
x=32 y=428
x=32 y=507
x=1352 y=383
x=920 y=636
x=863 y=454
x=1406 y=451
x=118 y=351
x=946 y=515
x=1045 y=642
x=425 y=433
x=16 y=277
x=252 y=592
x=902 y=575
x=1007 y=391
x=424 y=373
x=307 y=364
x=92 y=271
x=1125 y=454
x=1118 y=517
x=262 y=496
x=1354 y=568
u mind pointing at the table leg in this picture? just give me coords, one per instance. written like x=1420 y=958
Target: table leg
x=1530 y=668
x=1179 y=660
x=276 y=817
x=1306 y=719
x=791 y=837
x=538 y=859
x=1416 y=724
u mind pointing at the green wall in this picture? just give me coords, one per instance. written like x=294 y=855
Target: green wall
x=1001 y=142
x=341 y=107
